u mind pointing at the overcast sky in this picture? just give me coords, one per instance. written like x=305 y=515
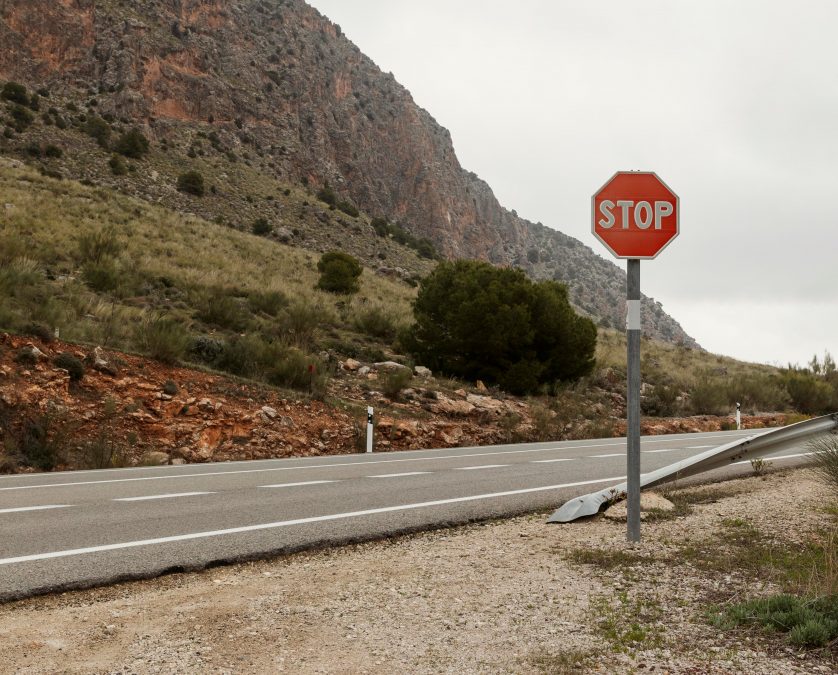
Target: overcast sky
x=733 y=104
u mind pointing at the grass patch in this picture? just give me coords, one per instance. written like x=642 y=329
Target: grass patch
x=562 y=662
x=630 y=624
x=806 y=622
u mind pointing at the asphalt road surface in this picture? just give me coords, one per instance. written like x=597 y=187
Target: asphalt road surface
x=84 y=528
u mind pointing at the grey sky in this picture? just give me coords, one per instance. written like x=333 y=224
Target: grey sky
x=733 y=104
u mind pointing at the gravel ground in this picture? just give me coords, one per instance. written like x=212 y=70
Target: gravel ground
x=503 y=597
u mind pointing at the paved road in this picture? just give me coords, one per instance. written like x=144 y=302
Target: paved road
x=72 y=530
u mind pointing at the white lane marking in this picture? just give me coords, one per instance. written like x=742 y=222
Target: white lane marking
x=550 y=461
x=36 y=508
x=699 y=447
x=654 y=452
x=298 y=521
x=482 y=466
x=617 y=454
x=399 y=475
x=308 y=482
x=166 y=496
x=328 y=466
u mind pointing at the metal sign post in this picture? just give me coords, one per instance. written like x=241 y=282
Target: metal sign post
x=633 y=329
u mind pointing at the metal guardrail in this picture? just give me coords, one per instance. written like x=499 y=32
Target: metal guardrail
x=751 y=447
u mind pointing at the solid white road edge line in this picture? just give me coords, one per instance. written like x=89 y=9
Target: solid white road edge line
x=166 y=496
x=21 y=509
x=308 y=482
x=287 y=523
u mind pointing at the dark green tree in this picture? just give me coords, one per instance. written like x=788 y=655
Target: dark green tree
x=132 y=144
x=477 y=321
x=191 y=183
x=15 y=92
x=339 y=273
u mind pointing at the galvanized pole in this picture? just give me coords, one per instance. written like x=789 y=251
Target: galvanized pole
x=633 y=398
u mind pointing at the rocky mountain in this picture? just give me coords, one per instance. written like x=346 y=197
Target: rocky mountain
x=259 y=96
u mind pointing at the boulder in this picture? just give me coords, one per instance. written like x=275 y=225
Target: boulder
x=421 y=371
x=154 y=458
x=389 y=366
x=649 y=501
x=351 y=365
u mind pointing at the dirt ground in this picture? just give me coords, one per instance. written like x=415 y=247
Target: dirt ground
x=512 y=596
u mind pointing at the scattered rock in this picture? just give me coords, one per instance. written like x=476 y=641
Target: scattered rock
x=649 y=501
x=351 y=365
x=422 y=371
x=480 y=386
x=154 y=458
x=390 y=366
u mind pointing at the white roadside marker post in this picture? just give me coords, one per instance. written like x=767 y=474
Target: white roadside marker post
x=369 y=428
x=738 y=416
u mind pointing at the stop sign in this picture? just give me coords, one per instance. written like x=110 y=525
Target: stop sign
x=635 y=215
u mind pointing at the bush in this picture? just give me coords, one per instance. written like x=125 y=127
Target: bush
x=395 y=381
x=826 y=459
x=219 y=308
x=268 y=302
x=327 y=195
x=300 y=371
x=40 y=331
x=162 y=338
x=118 y=166
x=96 y=246
x=300 y=322
x=191 y=183
x=710 y=397
x=99 y=130
x=132 y=144
x=102 y=276
x=206 y=349
x=348 y=208
x=261 y=227
x=375 y=322
x=21 y=118
x=53 y=151
x=476 y=321
x=71 y=364
x=809 y=394
x=339 y=273
x=15 y=92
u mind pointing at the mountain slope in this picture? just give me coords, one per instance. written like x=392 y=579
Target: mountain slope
x=259 y=95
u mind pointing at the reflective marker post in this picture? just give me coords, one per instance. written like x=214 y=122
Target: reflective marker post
x=369 y=429
x=633 y=331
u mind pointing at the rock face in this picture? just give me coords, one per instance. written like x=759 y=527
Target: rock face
x=280 y=80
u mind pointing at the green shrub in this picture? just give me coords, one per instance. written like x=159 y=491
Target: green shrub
x=170 y=388
x=40 y=331
x=71 y=364
x=220 y=308
x=710 y=397
x=132 y=144
x=339 y=273
x=348 y=208
x=99 y=130
x=261 y=227
x=15 y=92
x=162 y=338
x=249 y=355
x=300 y=322
x=327 y=195
x=268 y=302
x=191 y=183
x=102 y=276
x=381 y=226
x=53 y=151
x=99 y=245
x=206 y=349
x=118 y=166
x=809 y=394
x=476 y=321
x=826 y=459
x=300 y=371
x=21 y=117
x=395 y=381
x=662 y=401
x=374 y=321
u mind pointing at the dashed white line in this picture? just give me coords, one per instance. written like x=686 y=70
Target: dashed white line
x=654 y=452
x=617 y=454
x=299 y=521
x=701 y=447
x=308 y=482
x=482 y=466
x=36 y=508
x=399 y=475
x=550 y=461
x=172 y=495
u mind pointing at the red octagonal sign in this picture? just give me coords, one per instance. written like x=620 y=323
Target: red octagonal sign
x=635 y=215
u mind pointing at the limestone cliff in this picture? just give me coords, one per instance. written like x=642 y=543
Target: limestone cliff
x=280 y=86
